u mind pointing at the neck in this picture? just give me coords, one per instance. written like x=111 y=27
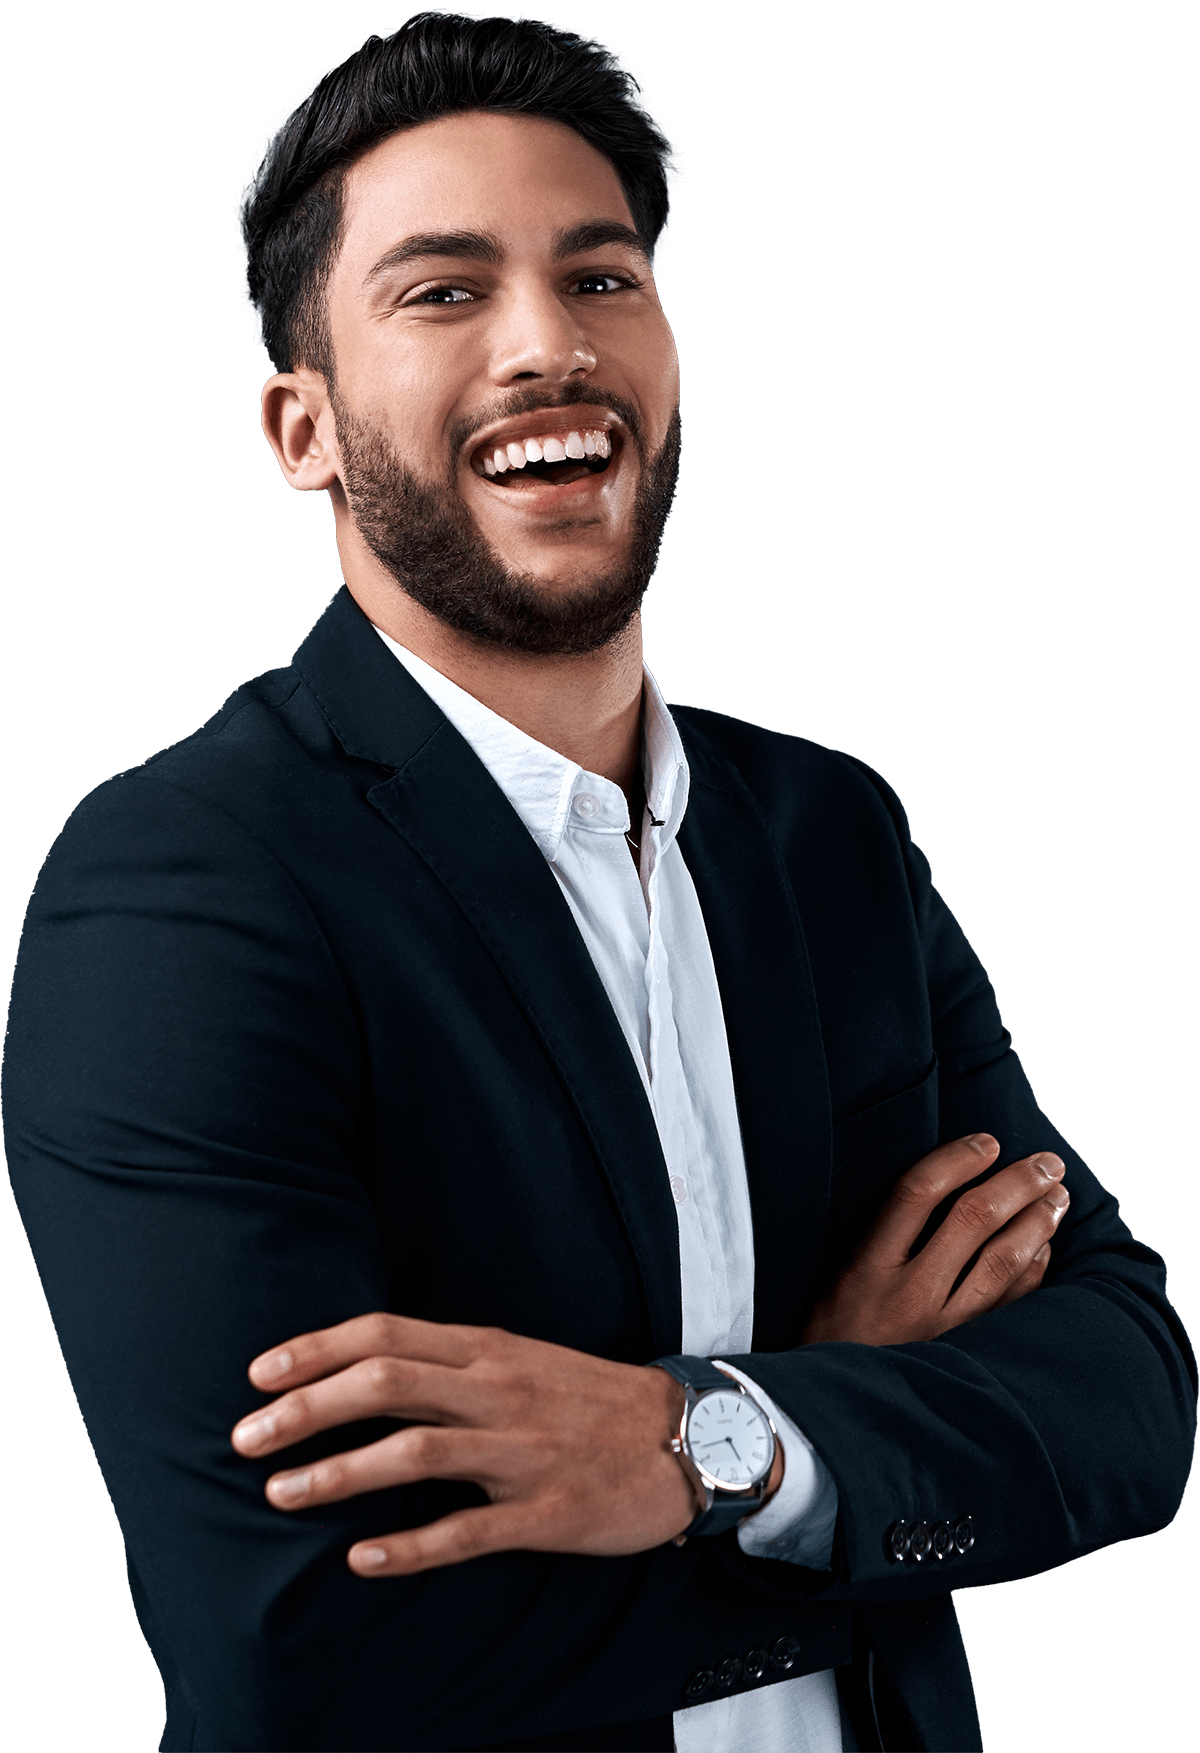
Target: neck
x=588 y=709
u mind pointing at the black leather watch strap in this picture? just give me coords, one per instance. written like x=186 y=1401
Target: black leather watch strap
x=696 y=1372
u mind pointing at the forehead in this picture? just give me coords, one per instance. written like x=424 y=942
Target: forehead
x=523 y=179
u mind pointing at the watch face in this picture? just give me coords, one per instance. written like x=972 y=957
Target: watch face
x=729 y=1438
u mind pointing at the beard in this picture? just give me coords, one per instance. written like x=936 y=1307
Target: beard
x=425 y=537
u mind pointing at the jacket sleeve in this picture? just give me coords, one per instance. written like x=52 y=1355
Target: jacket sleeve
x=185 y=1108
x=1059 y=1424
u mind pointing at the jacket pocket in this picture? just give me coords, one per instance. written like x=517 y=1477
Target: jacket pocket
x=912 y=1113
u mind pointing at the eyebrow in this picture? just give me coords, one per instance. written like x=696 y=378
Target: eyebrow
x=483 y=246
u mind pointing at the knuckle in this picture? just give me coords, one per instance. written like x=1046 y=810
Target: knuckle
x=465 y=1536
x=975 y=1212
x=377 y=1330
x=381 y=1376
x=915 y=1188
x=423 y=1442
x=1002 y=1264
x=332 y=1476
x=294 y=1409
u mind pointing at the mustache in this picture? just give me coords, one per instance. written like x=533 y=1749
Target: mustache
x=535 y=401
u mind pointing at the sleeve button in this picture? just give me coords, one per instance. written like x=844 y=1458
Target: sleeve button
x=698 y=1685
x=897 y=1541
x=784 y=1652
x=920 y=1541
x=964 y=1534
x=943 y=1540
x=755 y=1664
x=729 y=1671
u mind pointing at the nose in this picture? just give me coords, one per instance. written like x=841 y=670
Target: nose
x=538 y=337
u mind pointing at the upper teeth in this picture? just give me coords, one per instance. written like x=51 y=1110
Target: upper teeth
x=576 y=445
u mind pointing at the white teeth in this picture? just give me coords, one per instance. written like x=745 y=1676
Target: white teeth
x=575 y=446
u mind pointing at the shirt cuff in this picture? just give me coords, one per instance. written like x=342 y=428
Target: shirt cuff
x=797 y=1525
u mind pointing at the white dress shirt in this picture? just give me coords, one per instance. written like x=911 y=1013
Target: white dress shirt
x=646 y=936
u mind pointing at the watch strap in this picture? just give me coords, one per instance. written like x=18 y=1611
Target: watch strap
x=697 y=1373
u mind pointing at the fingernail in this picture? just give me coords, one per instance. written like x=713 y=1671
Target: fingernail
x=1050 y=1165
x=980 y=1141
x=290 y=1488
x=255 y=1431
x=369 y=1555
x=1058 y=1201
x=279 y=1365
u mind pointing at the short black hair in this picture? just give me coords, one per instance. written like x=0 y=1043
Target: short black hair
x=437 y=64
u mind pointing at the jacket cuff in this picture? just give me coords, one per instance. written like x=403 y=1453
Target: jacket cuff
x=797 y=1525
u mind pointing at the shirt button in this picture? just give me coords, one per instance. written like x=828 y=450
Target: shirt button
x=587 y=805
x=678 y=1189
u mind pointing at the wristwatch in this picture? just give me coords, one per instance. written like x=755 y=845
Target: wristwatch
x=726 y=1442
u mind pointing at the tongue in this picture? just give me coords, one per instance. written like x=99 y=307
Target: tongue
x=559 y=474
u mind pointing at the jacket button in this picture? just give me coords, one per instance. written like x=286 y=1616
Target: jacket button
x=897 y=1541
x=943 y=1540
x=698 y=1685
x=729 y=1670
x=784 y=1652
x=755 y=1664
x=964 y=1534
x=920 y=1541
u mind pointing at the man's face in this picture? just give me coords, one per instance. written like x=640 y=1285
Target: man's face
x=489 y=301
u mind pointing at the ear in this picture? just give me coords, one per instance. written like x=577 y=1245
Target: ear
x=298 y=421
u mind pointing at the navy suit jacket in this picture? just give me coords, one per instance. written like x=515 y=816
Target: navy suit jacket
x=302 y=1027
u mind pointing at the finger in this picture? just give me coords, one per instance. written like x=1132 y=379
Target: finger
x=921 y=1188
x=311 y=1355
x=452 y=1540
x=1007 y=1257
x=388 y=1387
x=1029 y=1279
x=425 y=1451
x=980 y=1213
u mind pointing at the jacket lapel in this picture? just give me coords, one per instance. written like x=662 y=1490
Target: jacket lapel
x=771 y=1020
x=442 y=800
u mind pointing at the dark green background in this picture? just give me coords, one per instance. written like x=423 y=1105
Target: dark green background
x=932 y=277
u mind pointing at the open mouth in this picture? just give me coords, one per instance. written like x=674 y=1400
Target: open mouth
x=558 y=458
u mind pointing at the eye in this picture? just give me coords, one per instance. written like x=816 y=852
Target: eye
x=441 y=295
x=602 y=283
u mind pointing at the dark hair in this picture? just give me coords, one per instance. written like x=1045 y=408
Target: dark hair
x=436 y=64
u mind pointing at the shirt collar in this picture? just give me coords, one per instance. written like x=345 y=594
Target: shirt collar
x=548 y=792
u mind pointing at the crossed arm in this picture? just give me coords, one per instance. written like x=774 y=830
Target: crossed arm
x=572 y=1450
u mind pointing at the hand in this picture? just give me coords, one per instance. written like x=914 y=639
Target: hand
x=888 y=1296
x=573 y=1451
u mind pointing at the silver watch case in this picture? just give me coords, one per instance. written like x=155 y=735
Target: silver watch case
x=716 y=1491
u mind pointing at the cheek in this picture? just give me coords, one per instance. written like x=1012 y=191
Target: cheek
x=413 y=400
x=658 y=379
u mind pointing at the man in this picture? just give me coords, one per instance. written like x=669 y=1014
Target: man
x=445 y=985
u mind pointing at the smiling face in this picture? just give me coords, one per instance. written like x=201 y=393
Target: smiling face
x=507 y=383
